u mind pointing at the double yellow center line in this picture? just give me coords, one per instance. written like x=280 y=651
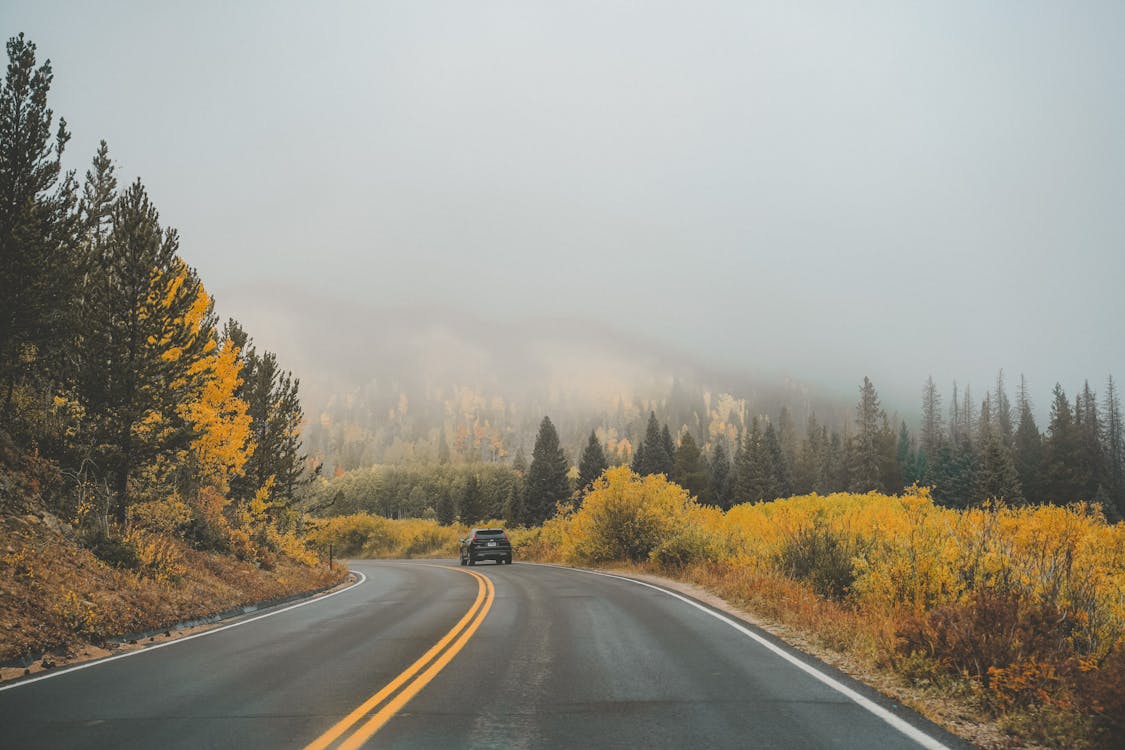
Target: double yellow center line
x=412 y=680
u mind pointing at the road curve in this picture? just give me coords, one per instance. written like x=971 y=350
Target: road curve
x=534 y=657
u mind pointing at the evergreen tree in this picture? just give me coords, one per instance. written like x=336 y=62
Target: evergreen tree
x=38 y=264
x=906 y=457
x=866 y=461
x=1091 y=470
x=445 y=512
x=779 y=480
x=271 y=396
x=669 y=447
x=933 y=431
x=1114 y=441
x=1028 y=449
x=519 y=462
x=652 y=455
x=472 y=502
x=443 y=447
x=1064 y=481
x=689 y=470
x=720 y=476
x=95 y=332
x=790 y=443
x=514 y=511
x=837 y=477
x=147 y=294
x=639 y=463
x=592 y=463
x=752 y=473
x=1002 y=412
x=741 y=471
x=996 y=477
x=547 y=483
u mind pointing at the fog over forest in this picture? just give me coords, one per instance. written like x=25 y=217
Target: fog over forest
x=550 y=202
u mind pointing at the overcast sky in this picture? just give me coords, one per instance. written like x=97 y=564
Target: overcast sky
x=826 y=190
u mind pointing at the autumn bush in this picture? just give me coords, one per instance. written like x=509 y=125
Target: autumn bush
x=367 y=535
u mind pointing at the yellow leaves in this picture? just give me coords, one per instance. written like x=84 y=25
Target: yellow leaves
x=220 y=417
x=626 y=517
x=159 y=558
x=162 y=516
x=260 y=503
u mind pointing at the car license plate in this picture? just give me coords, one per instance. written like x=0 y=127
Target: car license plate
x=492 y=544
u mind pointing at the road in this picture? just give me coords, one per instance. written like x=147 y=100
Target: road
x=513 y=656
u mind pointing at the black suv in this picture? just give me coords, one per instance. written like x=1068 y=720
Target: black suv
x=486 y=544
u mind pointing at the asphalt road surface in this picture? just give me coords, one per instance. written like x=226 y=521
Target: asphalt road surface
x=424 y=655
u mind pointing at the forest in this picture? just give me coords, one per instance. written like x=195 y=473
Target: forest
x=975 y=453
x=127 y=409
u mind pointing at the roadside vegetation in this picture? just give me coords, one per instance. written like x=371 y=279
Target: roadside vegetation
x=151 y=467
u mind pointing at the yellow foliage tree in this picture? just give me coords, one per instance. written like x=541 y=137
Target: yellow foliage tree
x=220 y=418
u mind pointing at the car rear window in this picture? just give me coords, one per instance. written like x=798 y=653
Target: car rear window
x=490 y=532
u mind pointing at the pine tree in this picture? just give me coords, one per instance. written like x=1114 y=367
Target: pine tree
x=1002 y=411
x=996 y=477
x=1062 y=450
x=38 y=264
x=906 y=457
x=472 y=502
x=669 y=447
x=519 y=462
x=514 y=510
x=446 y=513
x=95 y=332
x=866 y=464
x=752 y=473
x=779 y=480
x=790 y=443
x=690 y=471
x=1028 y=449
x=156 y=327
x=720 y=476
x=272 y=399
x=652 y=455
x=1114 y=441
x=547 y=482
x=1092 y=467
x=837 y=473
x=639 y=465
x=443 y=447
x=933 y=431
x=592 y=463
x=741 y=471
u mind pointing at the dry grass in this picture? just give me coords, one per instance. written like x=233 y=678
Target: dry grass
x=54 y=594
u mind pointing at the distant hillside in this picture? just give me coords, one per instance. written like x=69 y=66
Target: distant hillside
x=390 y=386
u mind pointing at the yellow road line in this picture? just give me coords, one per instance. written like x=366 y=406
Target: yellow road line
x=476 y=614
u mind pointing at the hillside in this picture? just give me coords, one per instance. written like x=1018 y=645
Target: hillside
x=385 y=386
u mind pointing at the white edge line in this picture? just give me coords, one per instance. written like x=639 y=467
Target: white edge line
x=173 y=642
x=898 y=723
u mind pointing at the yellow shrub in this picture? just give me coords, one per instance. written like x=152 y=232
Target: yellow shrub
x=626 y=517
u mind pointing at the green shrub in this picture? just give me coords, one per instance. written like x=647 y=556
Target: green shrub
x=112 y=550
x=821 y=557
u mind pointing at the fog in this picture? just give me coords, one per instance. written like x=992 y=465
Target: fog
x=805 y=191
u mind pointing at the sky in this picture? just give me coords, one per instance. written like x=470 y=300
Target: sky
x=817 y=190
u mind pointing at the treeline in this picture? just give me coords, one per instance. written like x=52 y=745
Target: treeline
x=991 y=450
x=118 y=384
x=469 y=493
